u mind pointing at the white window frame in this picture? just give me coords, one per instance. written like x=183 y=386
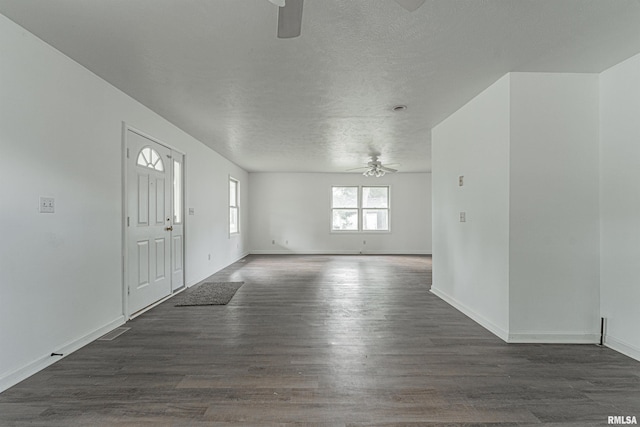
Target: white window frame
x=236 y=206
x=361 y=210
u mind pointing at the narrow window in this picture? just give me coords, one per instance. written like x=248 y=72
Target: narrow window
x=344 y=207
x=177 y=192
x=375 y=208
x=233 y=206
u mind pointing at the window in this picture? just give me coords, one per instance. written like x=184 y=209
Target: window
x=233 y=206
x=149 y=158
x=375 y=208
x=345 y=208
x=360 y=208
x=177 y=192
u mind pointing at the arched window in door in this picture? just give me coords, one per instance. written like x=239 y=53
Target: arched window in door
x=149 y=158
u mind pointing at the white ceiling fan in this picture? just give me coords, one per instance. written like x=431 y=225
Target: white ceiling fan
x=290 y=15
x=375 y=168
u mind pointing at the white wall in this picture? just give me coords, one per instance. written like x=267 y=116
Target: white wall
x=554 y=226
x=471 y=259
x=296 y=208
x=208 y=229
x=620 y=204
x=61 y=136
x=525 y=264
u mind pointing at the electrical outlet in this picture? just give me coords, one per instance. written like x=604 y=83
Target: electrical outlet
x=364 y=242
x=273 y=242
x=47 y=205
x=463 y=217
x=461 y=180
x=209 y=257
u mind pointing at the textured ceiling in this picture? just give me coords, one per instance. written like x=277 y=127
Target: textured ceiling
x=322 y=102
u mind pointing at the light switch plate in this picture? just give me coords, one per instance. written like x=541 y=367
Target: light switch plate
x=47 y=205
x=192 y=211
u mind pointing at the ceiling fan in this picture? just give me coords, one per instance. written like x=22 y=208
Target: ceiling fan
x=375 y=168
x=290 y=15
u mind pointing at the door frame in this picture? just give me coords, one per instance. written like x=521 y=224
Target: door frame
x=125 y=210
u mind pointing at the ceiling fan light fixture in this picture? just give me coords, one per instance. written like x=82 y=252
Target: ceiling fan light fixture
x=374 y=171
x=375 y=168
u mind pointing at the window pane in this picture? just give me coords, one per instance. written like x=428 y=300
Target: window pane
x=177 y=192
x=345 y=197
x=375 y=219
x=345 y=219
x=375 y=197
x=233 y=192
x=142 y=157
x=149 y=158
x=233 y=220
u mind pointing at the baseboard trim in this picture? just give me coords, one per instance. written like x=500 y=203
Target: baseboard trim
x=244 y=254
x=622 y=346
x=554 y=338
x=333 y=252
x=478 y=318
x=195 y=282
x=21 y=374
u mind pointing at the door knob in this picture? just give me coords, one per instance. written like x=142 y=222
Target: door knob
x=169 y=228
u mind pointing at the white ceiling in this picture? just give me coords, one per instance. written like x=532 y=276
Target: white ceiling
x=323 y=101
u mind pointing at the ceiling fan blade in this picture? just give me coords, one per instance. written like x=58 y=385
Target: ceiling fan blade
x=361 y=168
x=390 y=170
x=290 y=19
x=410 y=5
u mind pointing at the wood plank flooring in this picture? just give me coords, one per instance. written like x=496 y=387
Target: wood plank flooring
x=324 y=340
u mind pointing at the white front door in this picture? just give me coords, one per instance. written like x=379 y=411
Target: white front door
x=149 y=168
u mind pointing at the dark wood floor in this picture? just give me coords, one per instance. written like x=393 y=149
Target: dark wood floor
x=324 y=340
